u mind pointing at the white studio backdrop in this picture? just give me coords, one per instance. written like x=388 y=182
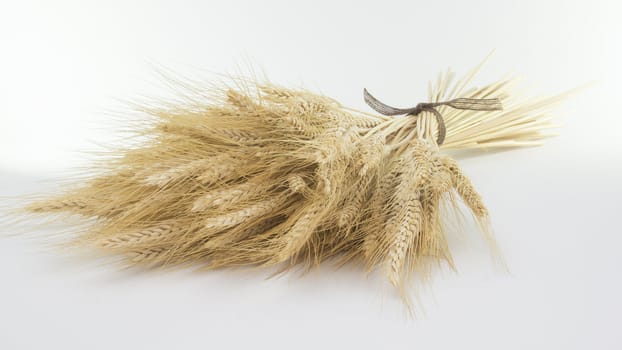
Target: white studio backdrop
x=65 y=65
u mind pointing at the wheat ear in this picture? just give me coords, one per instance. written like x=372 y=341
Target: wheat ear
x=465 y=189
x=223 y=197
x=176 y=173
x=147 y=254
x=137 y=237
x=57 y=205
x=375 y=225
x=222 y=167
x=299 y=234
x=297 y=183
x=408 y=227
x=352 y=207
x=234 y=218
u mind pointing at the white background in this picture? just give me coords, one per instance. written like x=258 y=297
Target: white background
x=555 y=209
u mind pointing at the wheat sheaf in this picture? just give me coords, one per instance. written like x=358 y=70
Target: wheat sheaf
x=265 y=175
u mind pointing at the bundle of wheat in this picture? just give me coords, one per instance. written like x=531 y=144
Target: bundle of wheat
x=264 y=175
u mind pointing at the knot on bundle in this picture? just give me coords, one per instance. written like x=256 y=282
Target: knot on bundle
x=474 y=104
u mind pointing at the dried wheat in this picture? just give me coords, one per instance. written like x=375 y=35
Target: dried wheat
x=300 y=233
x=408 y=227
x=465 y=189
x=147 y=254
x=57 y=205
x=136 y=237
x=236 y=217
x=224 y=197
x=264 y=175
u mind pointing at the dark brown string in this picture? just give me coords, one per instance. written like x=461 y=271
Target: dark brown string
x=473 y=104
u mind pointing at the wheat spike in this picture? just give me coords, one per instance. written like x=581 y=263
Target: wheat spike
x=465 y=189
x=424 y=161
x=358 y=121
x=136 y=237
x=236 y=217
x=375 y=226
x=368 y=160
x=300 y=233
x=371 y=154
x=408 y=226
x=221 y=167
x=277 y=94
x=296 y=183
x=238 y=135
x=352 y=208
x=147 y=255
x=57 y=205
x=240 y=100
x=355 y=201
x=441 y=179
x=224 y=197
x=398 y=203
x=176 y=173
